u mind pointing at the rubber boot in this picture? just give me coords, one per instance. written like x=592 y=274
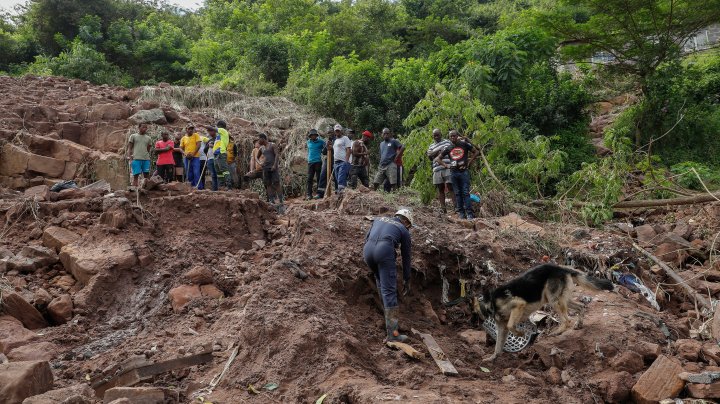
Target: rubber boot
x=391 y=324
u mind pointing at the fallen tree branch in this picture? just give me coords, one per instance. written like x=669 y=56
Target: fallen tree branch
x=680 y=281
x=490 y=171
x=688 y=200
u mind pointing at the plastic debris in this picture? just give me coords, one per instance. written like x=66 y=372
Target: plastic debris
x=631 y=282
x=271 y=386
x=321 y=399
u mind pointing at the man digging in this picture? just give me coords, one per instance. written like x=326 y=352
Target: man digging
x=379 y=253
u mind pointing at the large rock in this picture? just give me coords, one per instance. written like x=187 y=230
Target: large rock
x=513 y=221
x=20 y=380
x=41 y=256
x=13 y=160
x=36 y=351
x=705 y=391
x=182 y=295
x=284 y=122
x=615 y=387
x=114 y=170
x=645 y=234
x=58 y=237
x=628 y=361
x=659 y=382
x=60 y=309
x=47 y=166
x=77 y=394
x=13 y=334
x=70 y=131
x=136 y=395
x=40 y=193
x=199 y=275
x=109 y=112
x=14 y=305
x=155 y=115
x=84 y=262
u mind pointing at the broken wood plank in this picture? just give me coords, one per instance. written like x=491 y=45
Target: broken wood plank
x=409 y=351
x=130 y=377
x=675 y=277
x=437 y=354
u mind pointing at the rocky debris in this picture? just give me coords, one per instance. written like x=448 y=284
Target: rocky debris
x=57 y=237
x=136 y=395
x=615 y=387
x=182 y=295
x=39 y=193
x=77 y=394
x=659 y=382
x=84 y=262
x=199 y=275
x=20 y=380
x=41 y=297
x=156 y=116
x=13 y=334
x=60 y=309
x=513 y=221
x=14 y=305
x=647 y=350
x=688 y=349
x=628 y=361
x=473 y=337
x=704 y=391
x=39 y=255
x=36 y=351
x=645 y=234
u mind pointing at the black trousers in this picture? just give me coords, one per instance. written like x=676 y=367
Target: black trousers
x=166 y=171
x=314 y=170
x=359 y=172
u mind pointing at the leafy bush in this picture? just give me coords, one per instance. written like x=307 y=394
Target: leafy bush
x=83 y=62
x=686 y=176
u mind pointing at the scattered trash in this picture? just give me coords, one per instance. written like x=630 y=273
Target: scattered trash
x=252 y=389
x=475 y=198
x=271 y=386
x=484 y=370
x=409 y=351
x=513 y=343
x=538 y=316
x=321 y=399
x=63 y=185
x=632 y=282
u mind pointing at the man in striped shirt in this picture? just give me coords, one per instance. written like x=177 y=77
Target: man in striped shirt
x=441 y=175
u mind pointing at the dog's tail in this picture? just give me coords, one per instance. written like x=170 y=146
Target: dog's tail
x=592 y=282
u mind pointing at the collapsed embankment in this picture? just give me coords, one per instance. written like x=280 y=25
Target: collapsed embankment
x=287 y=300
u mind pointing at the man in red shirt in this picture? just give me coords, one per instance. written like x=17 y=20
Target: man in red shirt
x=165 y=162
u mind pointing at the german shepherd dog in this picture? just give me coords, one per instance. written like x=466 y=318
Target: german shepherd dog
x=513 y=302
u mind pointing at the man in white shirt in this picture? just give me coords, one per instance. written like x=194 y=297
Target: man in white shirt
x=342 y=149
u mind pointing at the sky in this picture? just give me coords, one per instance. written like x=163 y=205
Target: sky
x=188 y=4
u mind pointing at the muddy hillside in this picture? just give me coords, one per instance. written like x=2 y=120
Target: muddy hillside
x=173 y=295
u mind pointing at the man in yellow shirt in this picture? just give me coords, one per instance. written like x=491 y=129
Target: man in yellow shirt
x=222 y=140
x=190 y=145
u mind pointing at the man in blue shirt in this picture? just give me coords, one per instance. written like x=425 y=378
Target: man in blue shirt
x=390 y=150
x=385 y=234
x=314 y=146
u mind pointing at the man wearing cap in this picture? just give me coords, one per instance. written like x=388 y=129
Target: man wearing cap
x=441 y=175
x=342 y=147
x=379 y=253
x=314 y=146
x=390 y=150
x=360 y=160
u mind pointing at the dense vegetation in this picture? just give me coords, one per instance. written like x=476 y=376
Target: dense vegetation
x=490 y=68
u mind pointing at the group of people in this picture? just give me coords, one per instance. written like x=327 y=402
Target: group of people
x=349 y=160
x=191 y=157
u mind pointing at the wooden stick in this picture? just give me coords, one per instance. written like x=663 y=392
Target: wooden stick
x=329 y=164
x=674 y=276
x=409 y=351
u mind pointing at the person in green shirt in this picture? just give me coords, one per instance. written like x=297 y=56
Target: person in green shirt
x=138 y=152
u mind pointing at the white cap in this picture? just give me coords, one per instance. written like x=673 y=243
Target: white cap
x=337 y=127
x=406 y=213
